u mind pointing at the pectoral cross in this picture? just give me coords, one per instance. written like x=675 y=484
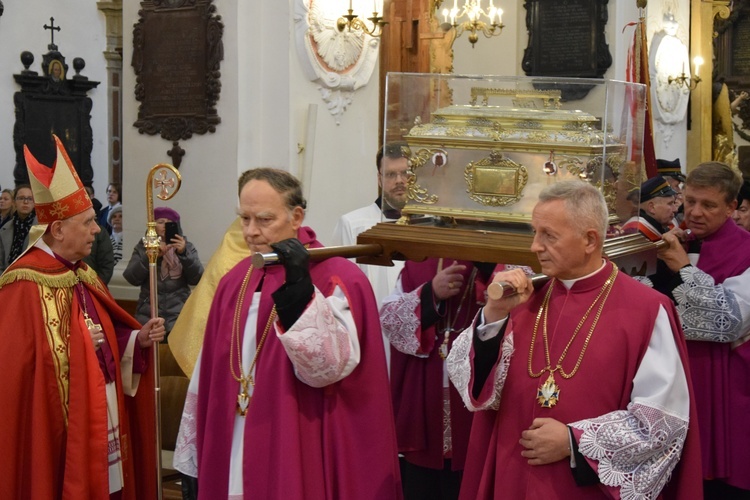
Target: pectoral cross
x=92 y=327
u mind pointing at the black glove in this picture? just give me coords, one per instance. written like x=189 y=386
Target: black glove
x=295 y=258
x=292 y=297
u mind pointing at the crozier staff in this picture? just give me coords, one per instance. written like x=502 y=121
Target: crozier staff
x=580 y=389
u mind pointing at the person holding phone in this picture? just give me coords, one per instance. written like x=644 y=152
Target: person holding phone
x=178 y=268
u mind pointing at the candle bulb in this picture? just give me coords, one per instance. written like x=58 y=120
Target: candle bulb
x=698 y=61
x=445 y=15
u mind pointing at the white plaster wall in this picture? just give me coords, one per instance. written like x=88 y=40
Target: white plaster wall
x=21 y=28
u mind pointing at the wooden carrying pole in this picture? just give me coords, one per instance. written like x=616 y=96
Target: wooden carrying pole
x=388 y=249
x=166 y=184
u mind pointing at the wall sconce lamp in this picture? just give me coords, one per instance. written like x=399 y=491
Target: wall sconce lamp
x=352 y=22
x=469 y=18
x=686 y=80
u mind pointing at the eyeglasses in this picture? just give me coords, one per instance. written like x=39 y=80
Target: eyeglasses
x=394 y=175
x=25 y=199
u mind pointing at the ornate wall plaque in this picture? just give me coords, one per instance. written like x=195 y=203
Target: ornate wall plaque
x=177 y=50
x=53 y=103
x=339 y=61
x=566 y=38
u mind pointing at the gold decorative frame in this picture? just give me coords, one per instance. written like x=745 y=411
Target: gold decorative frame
x=495 y=181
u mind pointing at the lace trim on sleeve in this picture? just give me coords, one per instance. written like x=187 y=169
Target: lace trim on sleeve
x=400 y=322
x=706 y=310
x=459 y=370
x=318 y=345
x=186 y=450
x=636 y=449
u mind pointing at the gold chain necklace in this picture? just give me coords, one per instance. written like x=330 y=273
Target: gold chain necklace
x=243 y=398
x=549 y=393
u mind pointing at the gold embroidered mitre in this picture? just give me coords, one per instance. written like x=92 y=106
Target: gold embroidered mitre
x=58 y=192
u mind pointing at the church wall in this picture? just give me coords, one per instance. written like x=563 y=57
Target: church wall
x=207 y=198
x=264 y=103
x=21 y=28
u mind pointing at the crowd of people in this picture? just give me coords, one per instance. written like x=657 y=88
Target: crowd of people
x=592 y=385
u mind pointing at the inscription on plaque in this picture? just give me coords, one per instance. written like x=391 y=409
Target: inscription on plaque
x=496 y=181
x=741 y=48
x=566 y=38
x=177 y=77
x=177 y=50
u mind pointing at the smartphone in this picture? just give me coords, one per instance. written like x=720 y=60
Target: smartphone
x=170 y=230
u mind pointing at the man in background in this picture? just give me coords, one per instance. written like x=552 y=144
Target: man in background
x=656 y=210
x=741 y=214
x=393 y=173
x=708 y=278
x=671 y=171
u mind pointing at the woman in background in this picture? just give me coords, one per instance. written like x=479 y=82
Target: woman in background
x=7 y=208
x=178 y=268
x=115 y=221
x=14 y=236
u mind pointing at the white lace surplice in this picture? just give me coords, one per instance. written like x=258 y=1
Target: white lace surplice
x=711 y=312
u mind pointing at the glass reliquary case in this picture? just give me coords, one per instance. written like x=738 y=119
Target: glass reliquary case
x=481 y=148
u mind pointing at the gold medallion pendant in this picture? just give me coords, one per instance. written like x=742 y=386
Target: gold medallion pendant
x=548 y=394
x=243 y=401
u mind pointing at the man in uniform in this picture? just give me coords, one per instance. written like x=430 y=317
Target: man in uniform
x=656 y=211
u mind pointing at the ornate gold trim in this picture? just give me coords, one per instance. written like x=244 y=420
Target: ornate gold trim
x=415 y=191
x=56 y=306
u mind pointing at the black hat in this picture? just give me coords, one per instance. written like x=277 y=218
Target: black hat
x=656 y=187
x=670 y=169
x=744 y=193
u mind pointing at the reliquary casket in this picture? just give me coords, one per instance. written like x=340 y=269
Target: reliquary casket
x=480 y=149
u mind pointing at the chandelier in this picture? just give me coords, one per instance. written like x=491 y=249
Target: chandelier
x=352 y=22
x=472 y=17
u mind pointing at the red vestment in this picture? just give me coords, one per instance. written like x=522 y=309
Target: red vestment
x=603 y=384
x=417 y=377
x=53 y=409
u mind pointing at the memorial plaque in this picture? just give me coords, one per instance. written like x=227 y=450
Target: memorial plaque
x=177 y=50
x=566 y=38
x=740 y=48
